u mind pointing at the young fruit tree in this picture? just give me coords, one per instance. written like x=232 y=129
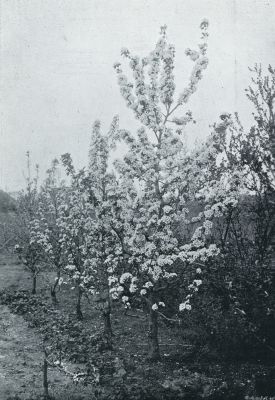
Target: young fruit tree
x=26 y=227
x=75 y=222
x=104 y=243
x=49 y=235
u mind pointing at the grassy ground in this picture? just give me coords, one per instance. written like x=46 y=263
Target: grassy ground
x=21 y=354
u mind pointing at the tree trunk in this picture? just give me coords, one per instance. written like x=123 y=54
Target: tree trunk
x=53 y=295
x=34 y=284
x=272 y=149
x=45 y=379
x=272 y=252
x=78 y=305
x=53 y=289
x=154 y=353
x=106 y=314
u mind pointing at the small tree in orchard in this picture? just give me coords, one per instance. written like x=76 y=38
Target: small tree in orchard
x=49 y=235
x=87 y=217
x=26 y=225
x=154 y=176
x=75 y=223
x=103 y=240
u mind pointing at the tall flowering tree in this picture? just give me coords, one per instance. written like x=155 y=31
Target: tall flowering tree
x=156 y=177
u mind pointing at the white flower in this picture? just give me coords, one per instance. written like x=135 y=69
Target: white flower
x=167 y=209
x=155 y=307
x=208 y=213
x=111 y=280
x=193 y=54
x=60 y=281
x=125 y=299
x=198 y=271
x=147 y=285
x=161 y=304
x=204 y=23
x=143 y=292
x=125 y=276
x=185 y=306
x=133 y=288
x=198 y=282
x=70 y=267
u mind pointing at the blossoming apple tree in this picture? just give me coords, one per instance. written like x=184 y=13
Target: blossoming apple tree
x=104 y=244
x=74 y=221
x=157 y=180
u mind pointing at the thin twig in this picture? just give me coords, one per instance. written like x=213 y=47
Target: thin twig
x=169 y=319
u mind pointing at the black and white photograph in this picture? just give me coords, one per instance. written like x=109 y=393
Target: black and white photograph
x=137 y=200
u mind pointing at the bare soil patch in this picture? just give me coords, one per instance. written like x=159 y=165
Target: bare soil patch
x=21 y=354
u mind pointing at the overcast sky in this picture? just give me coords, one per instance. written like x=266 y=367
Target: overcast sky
x=57 y=72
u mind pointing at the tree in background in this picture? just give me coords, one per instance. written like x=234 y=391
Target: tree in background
x=238 y=287
x=49 y=235
x=26 y=226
